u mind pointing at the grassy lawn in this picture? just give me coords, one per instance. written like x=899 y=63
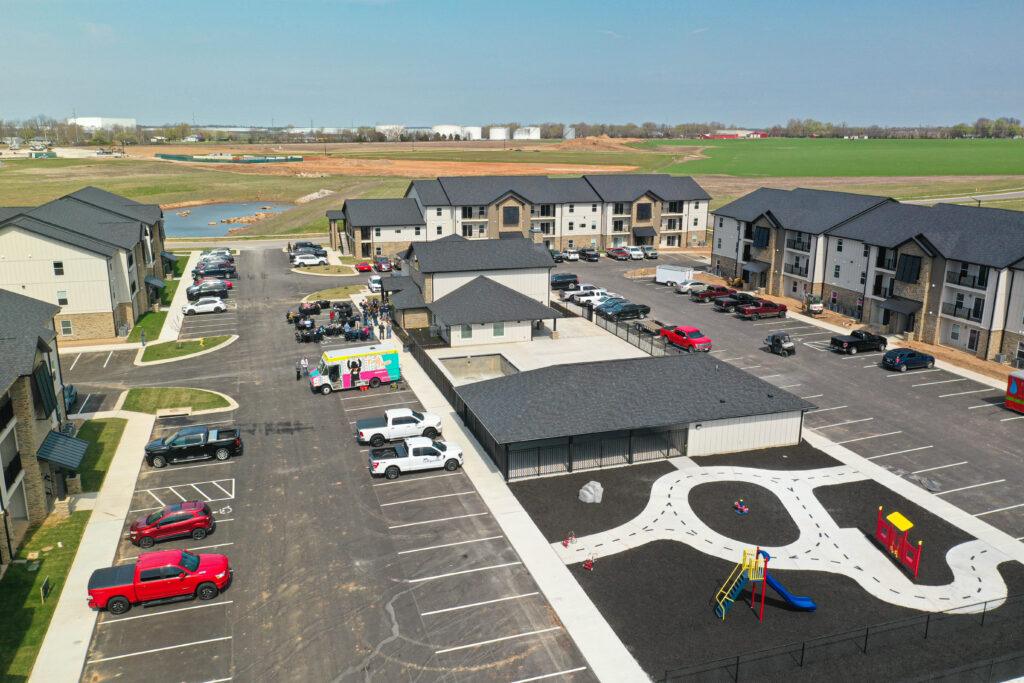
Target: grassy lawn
x=177 y=349
x=152 y=323
x=151 y=400
x=25 y=619
x=179 y=265
x=328 y=270
x=167 y=293
x=337 y=292
x=644 y=160
x=103 y=436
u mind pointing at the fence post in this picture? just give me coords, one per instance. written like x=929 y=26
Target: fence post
x=927 y=623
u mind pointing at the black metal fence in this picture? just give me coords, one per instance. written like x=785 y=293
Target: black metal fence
x=632 y=331
x=885 y=638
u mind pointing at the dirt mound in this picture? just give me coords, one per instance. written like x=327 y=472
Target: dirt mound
x=596 y=143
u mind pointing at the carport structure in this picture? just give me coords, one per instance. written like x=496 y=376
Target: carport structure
x=635 y=410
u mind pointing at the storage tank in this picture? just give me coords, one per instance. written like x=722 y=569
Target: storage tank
x=499 y=132
x=446 y=130
x=472 y=133
x=527 y=133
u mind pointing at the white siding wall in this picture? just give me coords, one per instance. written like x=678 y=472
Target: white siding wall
x=743 y=433
x=1015 y=311
x=586 y=223
x=446 y=221
x=725 y=242
x=405 y=233
x=533 y=282
x=484 y=334
x=816 y=271
x=26 y=267
x=851 y=262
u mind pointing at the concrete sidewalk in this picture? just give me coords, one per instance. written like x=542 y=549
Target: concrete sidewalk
x=172 y=325
x=66 y=645
x=605 y=653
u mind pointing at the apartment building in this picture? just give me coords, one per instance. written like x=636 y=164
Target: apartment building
x=597 y=211
x=95 y=254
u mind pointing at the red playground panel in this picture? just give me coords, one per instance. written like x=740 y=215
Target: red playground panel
x=892 y=532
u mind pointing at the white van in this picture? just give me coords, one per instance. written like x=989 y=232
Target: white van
x=635 y=253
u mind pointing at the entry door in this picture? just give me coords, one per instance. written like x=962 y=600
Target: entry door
x=972 y=340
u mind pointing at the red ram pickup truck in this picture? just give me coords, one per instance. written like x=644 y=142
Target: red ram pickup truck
x=762 y=309
x=158 y=578
x=710 y=292
x=686 y=337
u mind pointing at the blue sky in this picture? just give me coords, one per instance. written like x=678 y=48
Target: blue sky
x=345 y=62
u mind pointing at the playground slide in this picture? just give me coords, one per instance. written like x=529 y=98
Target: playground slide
x=798 y=601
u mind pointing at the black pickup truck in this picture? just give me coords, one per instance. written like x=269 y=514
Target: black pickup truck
x=194 y=443
x=733 y=301
x=858 y=340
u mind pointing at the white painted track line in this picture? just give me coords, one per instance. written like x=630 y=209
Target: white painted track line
x=465 y=571
x=75 y=363
x=159 y=649
x=434 y=521
x=479 y=604
x=208 y=499
x=175 y=492
x=498 y=640
x=940 y=467
x=545 y=676
x=972 y=486
x=119 y=620
x=1008 y=507
x=449 y=545
x=822 y=410
x=229 y=495
x=909 y=450
x=420 y=500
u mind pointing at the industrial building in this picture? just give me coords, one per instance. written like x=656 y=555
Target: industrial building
x=101 y=122
x=498 y=133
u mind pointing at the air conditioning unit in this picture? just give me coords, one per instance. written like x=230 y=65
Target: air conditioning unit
x=1000 y=358
x=1018 y=363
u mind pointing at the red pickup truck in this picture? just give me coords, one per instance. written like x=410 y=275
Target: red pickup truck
x=762 y=309
x=686 y=337
x=158 y=578
x=710 y=292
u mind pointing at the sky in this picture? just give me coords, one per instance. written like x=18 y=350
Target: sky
x=418 y=62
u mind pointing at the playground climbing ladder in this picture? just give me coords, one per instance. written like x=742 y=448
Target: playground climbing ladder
x=751 y=568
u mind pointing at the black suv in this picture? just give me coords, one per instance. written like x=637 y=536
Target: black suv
x=557 y=256
x=561 y=281
x=628 y=311
x=218 y=289
x=219 y=269
x=312 y=249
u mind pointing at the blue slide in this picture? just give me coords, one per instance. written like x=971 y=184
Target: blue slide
x=798 y=601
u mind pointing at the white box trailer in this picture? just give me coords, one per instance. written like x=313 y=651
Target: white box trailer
x=672 y=275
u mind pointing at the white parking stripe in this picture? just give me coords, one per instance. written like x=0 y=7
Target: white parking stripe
x=750 y=367
x=557 y=673
x=478 y=604
x=416 y=479
x=382 y=405
x=420 y=500
x=909 y=450
x=75 y=363
x=822 y=410
x=229 y=495
x=390 y=393
x=865 y=438
x=145 y=509
x=1008 y=507
x=941 y=381
x=729 y=359
x=768 y=376
x=787 y=386
x=198 y=547
x=861 y=355
x=189 y=467
x=840 y=424
x=812 y=396
x=940 y=467
x=448 y=545
x=206 y=497
x=972 y=486
x=162 y=504
x=159 y=649
x=908 y=374
x=108 y=359
x=497 y=640
x=464 y=571
x=204 y=424
x=119 y=620
x=81 y=408
x=175 y=492
x=986 y=405
x=433 y=521
x=964 y=393
x=873 y=365
x=1007 y=419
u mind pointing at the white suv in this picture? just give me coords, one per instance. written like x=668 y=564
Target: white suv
x=635 y=253
x=568 y=294
x=309 y=260
x=571 y=255
x=207 y=304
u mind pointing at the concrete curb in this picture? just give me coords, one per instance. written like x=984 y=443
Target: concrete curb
x=141 y=363
x=302 y=271
x=127 y=346
x=172 y=325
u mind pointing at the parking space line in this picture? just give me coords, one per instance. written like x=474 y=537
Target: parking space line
x=108 y=359
x=873 y=365
x=189 y=467
x=464 y=571
x=411 y=481
x=972 y=486
x=840 y=424
x=145 y=509
x=175 y=492
x=162 y=504
x=420 y=500
x=81 y=408
x=812 y=396
x=449 y=545
x=118 y=620
x=736 y=358
x=1007 y=419
x=787 y=386
x=382 y=405
x=1008 y=507
x=986 y=405
x=861 y=355
x=964 y=393
x=75 y=363
x=909 y=450
x=908 y=374
x=557 y=673
x=229 y=495
x=941 y=381
x=865 y=438
x=198 y=547
x=204 y=424
x=717 y=351
x=206 y=497
x=822 y=410
x=478 y=604
x=940 y=467
x=434 y=521
x=159 y=649
x=750 y=367
x=497 y=640
x=768 y=376
x=390 y=393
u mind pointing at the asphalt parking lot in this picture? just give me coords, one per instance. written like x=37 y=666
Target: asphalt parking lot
x=931 y=424
x=337 y=575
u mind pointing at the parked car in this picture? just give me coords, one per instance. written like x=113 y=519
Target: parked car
x=221 y=270
x=686 y=337
x=382 y=264
x=397 y=423
x=207 y=304
x=70 y=396
x=585 y=297
x=364 y=267
x=589 y=254
x=571 y=255
x=226 y=283
x=601 y=300
x=315 y=250
x=617 y=253
x=732 y=301
x=907 y=359
x=858 y=340
x=609 y=303
x=573 y=290
x=762 y=309
x=687 y=286
x=628 y=311
x=557 y=256
x=417 y=453
x=635 y=253
x=563 y=281
x=650 y=252
x=709 y=293
x=303 y=260
x=207 y=289
x=190 y=518
x=194 y=443
x=304 y=244
x=208 y=261
x=220 y=253
x=374 y=283
x=159 y=578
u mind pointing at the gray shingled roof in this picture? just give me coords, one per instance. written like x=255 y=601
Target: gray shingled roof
x=809 y=211
x=621 y=187
x=430 y=192
x=482 y=300
x=146 y=213
x=11 y=211
x=60 y=234
x=888 y=225
x=336 y=215
x=482 y=190
x=649 y=392
x=90 y=221
x=23 y=329
x=447 y=256
x=408 y=297
x=988 y=237
x=381 y=212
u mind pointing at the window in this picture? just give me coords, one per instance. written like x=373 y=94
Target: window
x=675 y=207
x=909 y=268
x=438 y=211
x=794 y=286
x=58 y=267
x=839 y=245
x=417 y=230
x=62 y=298
x=376 y=232
x=65 y=328
x=863 y=277
x=440 y=230
x=151 y=574
x=719 y=242
x=954 y=332
x=481 y=212
x=761 y=237
x=643 y=211
x=134 y=288
x=379 y=251
x=867 y=251
x=617 y=226
x=695 y=222
x=696 y=205
x=467 y=212
x=593 y=208
x=570 y=225
x=721 y=221
x=510 y=215
x=836 y=272
x=619 y=208
x=1020 y=350
x=398 y=231
x=499 y=330
x=467 y=331
x=593 y=225
x=467 y=230
x=131 y=259
x=481 y=229
x=571 y=207
x=571 y=244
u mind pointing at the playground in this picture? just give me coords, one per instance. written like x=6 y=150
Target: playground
x=664 y=551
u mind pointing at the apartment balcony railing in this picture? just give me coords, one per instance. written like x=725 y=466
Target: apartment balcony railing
x=964 y=312
x=878 y=290
x=955 y=278
x=798 y=245
x=794 y=269
x=11 y=471
x=886 y=264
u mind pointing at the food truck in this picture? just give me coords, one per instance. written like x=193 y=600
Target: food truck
x=1015 y=391
x=362 y=366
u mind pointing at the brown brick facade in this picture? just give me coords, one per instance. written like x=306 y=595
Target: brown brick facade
x=413 y=318
x=123 y=315
x=926 y=323
x=846 y=298
x=36 y=471
x=87 y=326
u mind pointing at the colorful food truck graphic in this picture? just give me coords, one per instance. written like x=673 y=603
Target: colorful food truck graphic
x=1015 y=391
x=363 y=366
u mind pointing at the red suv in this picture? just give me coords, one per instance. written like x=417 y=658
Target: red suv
x=191 y=518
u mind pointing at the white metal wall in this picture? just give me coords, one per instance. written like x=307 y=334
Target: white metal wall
x=851 y=261
x=743 y=433
x=484 y=334
x=533 y=282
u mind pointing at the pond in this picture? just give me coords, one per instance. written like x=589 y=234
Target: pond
x=197 y=222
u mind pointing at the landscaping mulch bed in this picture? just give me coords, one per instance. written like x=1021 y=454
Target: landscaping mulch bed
x=767 y=524
x=803 y=456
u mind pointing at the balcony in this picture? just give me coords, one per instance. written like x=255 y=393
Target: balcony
x=955 y=278
x=798 y=245
x=963 y=312
x=794 y=269
x=886 y=264
x=881 y=291
x=11 y=471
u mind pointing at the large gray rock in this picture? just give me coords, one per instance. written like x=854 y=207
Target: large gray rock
x=592 y=492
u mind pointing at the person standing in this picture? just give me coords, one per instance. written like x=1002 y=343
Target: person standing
x=305 y=366
x=380 y=330
x=289 y=247
x=298 y=370
x=332 y=315
x=388 y=327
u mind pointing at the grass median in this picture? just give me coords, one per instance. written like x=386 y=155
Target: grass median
x=103 y=436
x=328 y=270
x=150 y=400
x=337 y=292
x=151 y=322
x=178 y=349
x=167 y=293
x=25 y=617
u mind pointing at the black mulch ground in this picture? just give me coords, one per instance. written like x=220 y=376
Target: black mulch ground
x=659 y=600
x=800 y=457
x=768 y=523
x=554 y=505
x=856 y=506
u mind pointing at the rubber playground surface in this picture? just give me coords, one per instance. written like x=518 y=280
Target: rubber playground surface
x=659 y=595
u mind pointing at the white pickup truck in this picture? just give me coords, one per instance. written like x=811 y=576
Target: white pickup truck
x=397 y=424
x=418 y=453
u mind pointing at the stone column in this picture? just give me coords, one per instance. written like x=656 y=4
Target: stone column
x=25 y=413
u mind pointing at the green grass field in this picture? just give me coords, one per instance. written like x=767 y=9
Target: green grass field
x=152 y=323
x=177 y=349
x=807 y=157
x=103 y=436
x=151 y=400
x=645 y=161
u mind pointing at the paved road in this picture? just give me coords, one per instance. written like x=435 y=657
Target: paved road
x=995 y=196
x=931 y=422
